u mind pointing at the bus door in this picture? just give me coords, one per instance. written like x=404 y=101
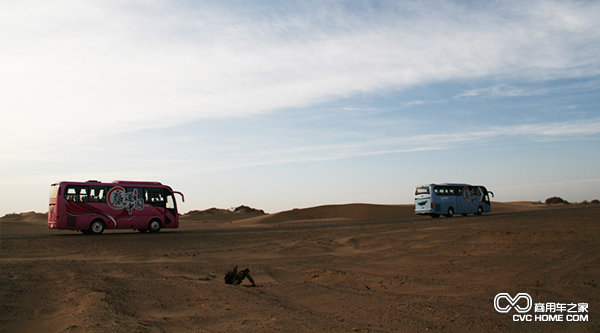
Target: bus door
x=485 y=199
x=459 y=207
x=171 y=211
x=157 y=198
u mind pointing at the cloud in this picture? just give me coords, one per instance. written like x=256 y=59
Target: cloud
x=280 y=151
x=75 y=69
x=554 y=130
x=417 y=102
x=528 y=89
x=504 y=90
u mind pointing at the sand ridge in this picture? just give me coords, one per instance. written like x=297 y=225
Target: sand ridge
x=332 y=213
x=364 y=212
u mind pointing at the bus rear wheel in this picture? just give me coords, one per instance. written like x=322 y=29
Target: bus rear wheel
x=154 y=226
x=450 y=212
x=96 y=227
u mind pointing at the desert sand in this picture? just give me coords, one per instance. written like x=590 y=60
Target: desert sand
x=334 y=268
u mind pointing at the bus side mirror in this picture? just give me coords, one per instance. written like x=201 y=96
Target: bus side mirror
x=181 y=194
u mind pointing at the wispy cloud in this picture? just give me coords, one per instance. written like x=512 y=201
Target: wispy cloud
x=527 y=89
x=417 y=102
x=554 y=130
x=125 y=65
x=286 y=152
x=504 y=90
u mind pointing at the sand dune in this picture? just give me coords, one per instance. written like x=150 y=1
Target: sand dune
x=333 y=213
x=218 y=214
x=24 y=217
x=412 y=275
x=214 y=218
x=519 y=206
x=363 y=212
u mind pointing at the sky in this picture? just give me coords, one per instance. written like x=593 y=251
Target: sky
x=280 y=105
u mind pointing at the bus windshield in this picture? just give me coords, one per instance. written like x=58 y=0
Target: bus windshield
x=422 y=190
x=54 y=191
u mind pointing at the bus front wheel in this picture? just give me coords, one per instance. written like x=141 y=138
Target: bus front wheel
x=154 y=226
x=450 y=212
x=479 y=210
x=96 y=227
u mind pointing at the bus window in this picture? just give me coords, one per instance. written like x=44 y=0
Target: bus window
x=155 y=197
x=486 y=196
x=71 y=193
x=77 y=194
x=54 y=191
x=83 y=194
x=422 y=190
x=170 y=202
x=97 y=194
x=444 y=190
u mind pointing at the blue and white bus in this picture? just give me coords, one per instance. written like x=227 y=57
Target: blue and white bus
x=447 y=199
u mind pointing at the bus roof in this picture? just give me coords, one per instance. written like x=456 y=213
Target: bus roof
x=448 y=184
x=129 y=182
x=116 y=182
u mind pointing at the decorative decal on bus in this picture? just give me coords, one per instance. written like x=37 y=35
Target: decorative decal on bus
x=468 y=194
x=117 y=199
x=83 y=209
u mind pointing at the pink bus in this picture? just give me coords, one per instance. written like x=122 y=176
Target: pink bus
x=93 y=206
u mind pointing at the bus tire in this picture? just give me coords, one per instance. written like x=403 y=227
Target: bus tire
x=96 y=227
x=154 y=226
x=450 y=212
x=479 y=210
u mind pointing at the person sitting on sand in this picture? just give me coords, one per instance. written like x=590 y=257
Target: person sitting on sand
x=234 y=277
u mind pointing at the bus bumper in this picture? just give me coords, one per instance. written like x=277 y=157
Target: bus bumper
x=424 y=212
